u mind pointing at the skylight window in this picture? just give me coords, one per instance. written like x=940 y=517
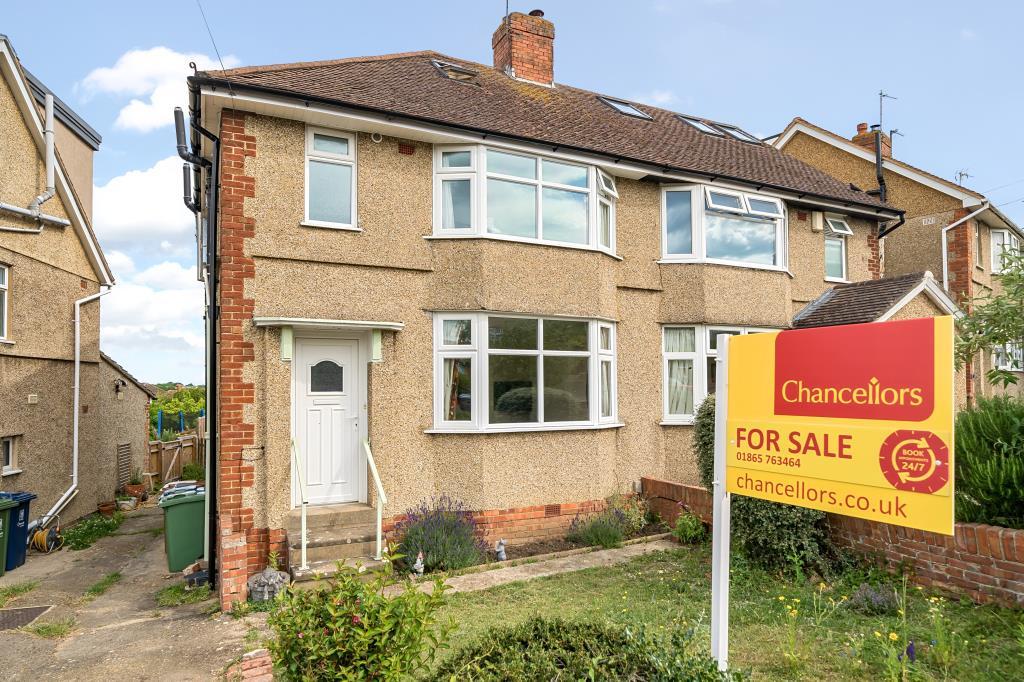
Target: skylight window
x=624 y=107
x=700 y=125
x=838 y=226
x=738 y=133
x=453 y=72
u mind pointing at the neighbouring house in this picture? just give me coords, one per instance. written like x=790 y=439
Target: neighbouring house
x=68 y=414
x=487 y=284
x=951 y=231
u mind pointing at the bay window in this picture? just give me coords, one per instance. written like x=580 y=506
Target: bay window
x=486 y=192
x=512 y=372
x=330 y=179
x=710 y=224
x=1003 y=241
x=689 y=354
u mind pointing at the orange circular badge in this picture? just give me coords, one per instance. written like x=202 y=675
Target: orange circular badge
x=917 y=461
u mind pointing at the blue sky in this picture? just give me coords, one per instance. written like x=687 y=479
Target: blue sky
x=121 y=65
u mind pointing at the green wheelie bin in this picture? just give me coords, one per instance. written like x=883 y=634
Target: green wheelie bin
x=5 y=528
x=183 y=529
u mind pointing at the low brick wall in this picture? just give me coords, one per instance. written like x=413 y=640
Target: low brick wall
x=255 y=666
x=985 y=563
x=523 y=524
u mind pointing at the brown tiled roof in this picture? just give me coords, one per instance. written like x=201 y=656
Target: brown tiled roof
x=856 y=303
x=895 y=162
x=409 y=85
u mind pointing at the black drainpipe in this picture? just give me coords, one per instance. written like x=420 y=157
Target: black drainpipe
x=878 y=162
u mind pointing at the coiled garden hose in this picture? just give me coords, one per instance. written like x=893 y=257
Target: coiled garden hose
x=47 y=540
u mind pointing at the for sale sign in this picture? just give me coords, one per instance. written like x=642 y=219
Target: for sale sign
x=855 y=420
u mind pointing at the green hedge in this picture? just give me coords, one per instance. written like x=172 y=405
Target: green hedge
x=990 y=463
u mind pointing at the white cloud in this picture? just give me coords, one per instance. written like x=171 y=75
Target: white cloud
x=154 y=78
x=121 y=263
x=142 y=210
x=658 y=98
x=167 y=275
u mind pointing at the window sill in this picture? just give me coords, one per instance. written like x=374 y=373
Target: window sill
x=6 y=342
x=837 y=280
x=526 y=429
x=330 y=226
x=707 y=261
x=9 y=472
x=677 y=422
x=532 y=242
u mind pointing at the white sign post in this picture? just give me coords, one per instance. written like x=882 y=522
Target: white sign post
x=720 y=528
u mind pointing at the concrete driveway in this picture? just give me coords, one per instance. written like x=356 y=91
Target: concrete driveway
x=122 y=633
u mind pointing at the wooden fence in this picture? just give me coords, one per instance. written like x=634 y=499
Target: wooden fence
x=166 y=458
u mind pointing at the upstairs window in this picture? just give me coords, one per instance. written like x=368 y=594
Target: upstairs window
x=624 y=107
x=3 y=301
x=836 y=232
x=330 y=179
x=712 y=224
x=1009 y=357
x=483 y=191
x=1003 y=241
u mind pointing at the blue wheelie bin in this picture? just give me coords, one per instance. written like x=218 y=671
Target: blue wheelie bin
x=17 y=539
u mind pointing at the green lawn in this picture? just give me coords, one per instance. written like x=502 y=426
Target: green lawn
x=825 y=639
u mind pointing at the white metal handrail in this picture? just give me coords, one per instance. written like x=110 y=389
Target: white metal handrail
x=305 y=503
x=382 y=499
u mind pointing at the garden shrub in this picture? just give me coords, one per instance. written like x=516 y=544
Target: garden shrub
x=772 y=535
x=634 y=509
x=349 y=630
x=87 y=531
x=555 y=649
x=990 y=463
x=193 y=472
x=444 y=530
x=874 y=600
x=605 y=529
x=689 y=529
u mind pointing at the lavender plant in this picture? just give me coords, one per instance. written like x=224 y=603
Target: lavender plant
x=445 y=531
x=604 y=529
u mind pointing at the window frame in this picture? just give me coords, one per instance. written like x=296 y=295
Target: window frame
x=479 y=352
x=1008 y=357
x=5 y=301
x=838 y=225
x=701 y=354
x=336 y=159
x=842 y=243
x=600 y=189
x=701 y=125
x=627 y=108
x=738 y=133
x=979 y=259
x=11 y=444
x=1009 y=241
x=699 y=195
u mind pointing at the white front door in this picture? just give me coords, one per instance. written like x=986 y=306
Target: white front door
x=327 y=414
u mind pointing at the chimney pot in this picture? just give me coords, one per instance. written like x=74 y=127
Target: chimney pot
x=524 y=47
x=862 y=128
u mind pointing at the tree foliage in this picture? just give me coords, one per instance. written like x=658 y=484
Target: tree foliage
x=996 y=320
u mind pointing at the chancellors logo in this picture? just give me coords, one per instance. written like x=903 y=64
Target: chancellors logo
x=860 y=371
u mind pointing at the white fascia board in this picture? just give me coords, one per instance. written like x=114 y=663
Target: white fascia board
x=11 y=73
x=968 y=200
x=314 y=323
x=933 y=291
x=340 y=117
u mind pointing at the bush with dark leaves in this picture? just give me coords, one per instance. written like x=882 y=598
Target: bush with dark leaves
x=444 y=530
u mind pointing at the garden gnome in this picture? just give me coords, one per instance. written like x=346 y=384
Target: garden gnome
x=418 y=566
x=499 y=550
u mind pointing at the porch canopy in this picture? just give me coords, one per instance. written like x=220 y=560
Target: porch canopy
x=289 y=324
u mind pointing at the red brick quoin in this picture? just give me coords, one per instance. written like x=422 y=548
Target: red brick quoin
x=986 y=563
x=243 y=549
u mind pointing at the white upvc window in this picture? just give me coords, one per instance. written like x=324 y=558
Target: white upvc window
x=689 y=354
x=838 y=225
x=482 y=191
x=509 y=372
x=1009 y=357
x=835 y=258
x=717 y=225
x=330 y=179
x=4 y=289
x=8 y=456
x=1003 y=241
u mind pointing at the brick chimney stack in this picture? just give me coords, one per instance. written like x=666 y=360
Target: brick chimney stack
x=866 y=138
x=524 y=47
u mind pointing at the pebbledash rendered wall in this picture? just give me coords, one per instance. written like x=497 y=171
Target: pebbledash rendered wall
x=985 y=563
x=271 y=266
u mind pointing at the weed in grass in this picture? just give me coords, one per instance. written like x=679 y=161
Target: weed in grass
x=604 y=529
x=9 y=592
x=176 y=595
x=945 y=646
x=87 y=531
x=56 y=629
x=241 y=609
x=108 y=581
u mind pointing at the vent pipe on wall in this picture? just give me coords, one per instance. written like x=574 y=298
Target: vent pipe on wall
x=51 y=159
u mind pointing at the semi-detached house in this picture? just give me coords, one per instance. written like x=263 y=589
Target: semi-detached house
x=485 y=283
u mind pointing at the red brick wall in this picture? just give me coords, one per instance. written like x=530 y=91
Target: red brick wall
x=243 y=548
x=874 y=255
x=523 y=524
x=960 y=270
x=255 y=666
x=985 y=563
x=527 y=44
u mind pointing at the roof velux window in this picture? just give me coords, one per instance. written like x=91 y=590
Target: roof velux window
x=838 y=226
x=700 y=125
x=624 y=107
x=738 y=133
x=453 y=72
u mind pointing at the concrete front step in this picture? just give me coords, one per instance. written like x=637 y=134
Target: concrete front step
x=331 y=516
x=328 y=567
